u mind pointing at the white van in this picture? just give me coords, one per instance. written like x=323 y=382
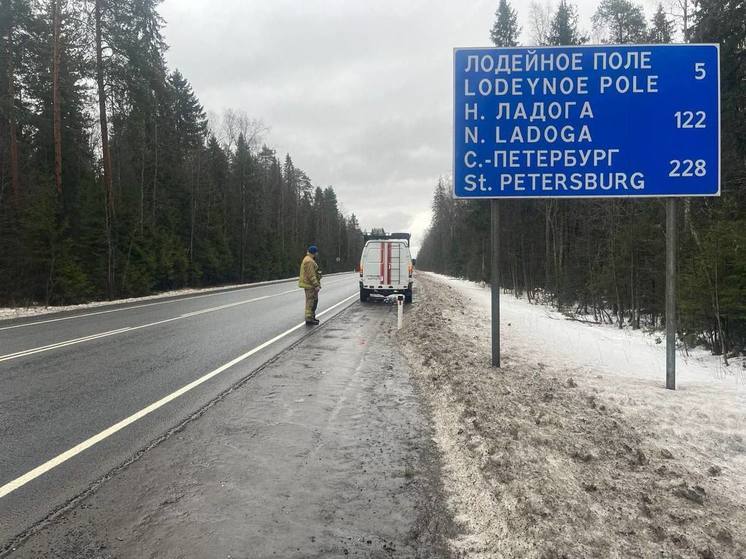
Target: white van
x=386 y=266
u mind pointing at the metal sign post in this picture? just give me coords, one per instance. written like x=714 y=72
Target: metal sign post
x=671 y=249
x=495 y=280
x=596 y=121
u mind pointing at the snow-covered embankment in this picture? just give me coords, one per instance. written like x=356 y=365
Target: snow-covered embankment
x=574 y=446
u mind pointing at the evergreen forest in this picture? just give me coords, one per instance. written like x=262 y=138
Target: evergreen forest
x=114 y=183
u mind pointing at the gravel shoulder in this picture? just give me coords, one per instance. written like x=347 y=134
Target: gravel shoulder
x=325 y=453
x=540 y=462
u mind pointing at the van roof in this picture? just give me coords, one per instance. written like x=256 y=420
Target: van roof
x=400 y=241
x=387 y=237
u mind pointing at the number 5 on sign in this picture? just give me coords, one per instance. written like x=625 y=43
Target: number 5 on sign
x=699 y=71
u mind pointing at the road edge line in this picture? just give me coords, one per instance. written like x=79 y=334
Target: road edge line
x=145 y=302
x=128 y=329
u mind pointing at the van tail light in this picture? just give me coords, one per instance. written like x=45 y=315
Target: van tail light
x=361 y=270
x=411 y=269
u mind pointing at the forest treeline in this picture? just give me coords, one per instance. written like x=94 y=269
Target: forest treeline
x=606 y=258
x=113 y=182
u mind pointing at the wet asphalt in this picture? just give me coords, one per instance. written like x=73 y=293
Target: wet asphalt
x=324 y=452
x=54 y=399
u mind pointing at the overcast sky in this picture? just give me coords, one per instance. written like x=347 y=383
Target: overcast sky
x=358 y=92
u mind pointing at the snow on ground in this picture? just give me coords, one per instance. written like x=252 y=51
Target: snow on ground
x=623 y=353
x=7 y=313
x=574 y=447
x=626 y=365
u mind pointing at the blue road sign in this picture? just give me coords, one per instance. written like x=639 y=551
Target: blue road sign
x=594 y=121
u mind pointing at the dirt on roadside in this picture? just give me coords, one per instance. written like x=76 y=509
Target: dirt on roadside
x=541 y=466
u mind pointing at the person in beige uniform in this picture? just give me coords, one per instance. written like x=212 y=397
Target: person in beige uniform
x=310 y=281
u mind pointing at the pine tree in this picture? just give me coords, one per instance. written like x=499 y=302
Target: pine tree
x=189 y=119
x=292 y=186
x=241 y=170
x=620 y=21
x=150 y=204
x=661 y=30
x=563 y=29
x=505 y=30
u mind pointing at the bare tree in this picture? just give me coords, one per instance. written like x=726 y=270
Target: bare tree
x=682 y=11
x=228 y=129
x=237 y=122
x=214 y=125
x=540 y=17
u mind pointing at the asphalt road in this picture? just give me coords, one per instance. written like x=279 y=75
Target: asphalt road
x=67 y=378
x=325 y=454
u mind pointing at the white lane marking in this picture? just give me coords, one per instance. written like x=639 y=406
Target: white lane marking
x=77 y=449
x=17 y=354
x=26 y=324
x=75 y=341
x=179 y=300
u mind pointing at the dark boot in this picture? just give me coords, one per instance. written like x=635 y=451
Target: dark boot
x=312 y=322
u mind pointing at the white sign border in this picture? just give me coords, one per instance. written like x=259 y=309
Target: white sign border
x=585 y=196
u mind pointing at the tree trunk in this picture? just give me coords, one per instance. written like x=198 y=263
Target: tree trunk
x=195 y=196
x=483 y=269
x=612 y=256
x=56 y=111
x=12 y=128
x=192 y=211
x=712 y=284
x=155 y=165
x=526 y=285
x=142 y=183
x=556 y=226
x=716 y=306
x=244 y=226
x=105 y=150
x=282 y=218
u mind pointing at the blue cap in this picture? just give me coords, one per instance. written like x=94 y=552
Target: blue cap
x=313 y=249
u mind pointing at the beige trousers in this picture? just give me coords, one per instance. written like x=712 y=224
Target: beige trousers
x=312 y=301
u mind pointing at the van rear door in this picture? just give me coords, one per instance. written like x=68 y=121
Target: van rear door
x=371 y=262
x=384 y=266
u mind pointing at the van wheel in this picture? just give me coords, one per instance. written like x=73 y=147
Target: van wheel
x=364 y=295
x=408 y=296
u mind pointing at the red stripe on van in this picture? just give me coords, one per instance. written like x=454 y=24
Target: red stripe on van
x=388 y=268
x=383 y=264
